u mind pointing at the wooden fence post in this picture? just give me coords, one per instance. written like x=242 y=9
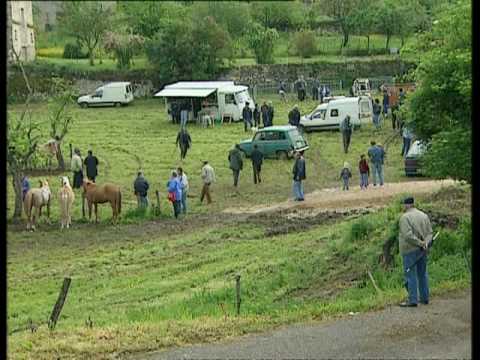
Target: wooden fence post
x=57 y=309
x=238 y=299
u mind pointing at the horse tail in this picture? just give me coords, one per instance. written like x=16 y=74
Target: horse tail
x=119 y=202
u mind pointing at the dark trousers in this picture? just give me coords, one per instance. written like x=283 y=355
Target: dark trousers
x=256 y=173
x=236 y=175
x=346 y=140
x=315 y=94
x=394 y=121
x=91 y=178
x=183 y=151
x=177 y=207
x=301 y=95
x=406 y=146
x=206 y=193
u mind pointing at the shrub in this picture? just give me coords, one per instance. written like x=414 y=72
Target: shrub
x=305 y=43
x=262 y=42
x=54 y=52
x=360 y=230
x=73 y=51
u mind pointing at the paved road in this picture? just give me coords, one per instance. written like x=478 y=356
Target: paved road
x=441 y=330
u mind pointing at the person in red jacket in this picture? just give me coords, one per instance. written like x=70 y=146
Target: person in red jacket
x=364 y=172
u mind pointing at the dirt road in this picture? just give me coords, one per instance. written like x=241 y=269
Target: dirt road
x=441 y=330
x=335 y=198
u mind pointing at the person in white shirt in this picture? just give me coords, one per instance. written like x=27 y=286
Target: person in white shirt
x=208 y=177
x=182 y=177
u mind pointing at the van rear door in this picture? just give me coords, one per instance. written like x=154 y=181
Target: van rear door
x=365 y=109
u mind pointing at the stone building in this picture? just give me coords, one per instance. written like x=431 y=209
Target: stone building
x=20 y=33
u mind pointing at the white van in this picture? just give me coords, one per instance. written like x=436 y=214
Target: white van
x=112 y=94
x=217 y=99
x=329 y=116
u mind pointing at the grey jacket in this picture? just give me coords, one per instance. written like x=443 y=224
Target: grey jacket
x=415 y=230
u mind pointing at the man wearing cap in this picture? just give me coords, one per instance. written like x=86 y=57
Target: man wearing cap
x=414 y=236
x=236 y=163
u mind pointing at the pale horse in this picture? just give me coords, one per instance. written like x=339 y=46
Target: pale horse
x=66 y=197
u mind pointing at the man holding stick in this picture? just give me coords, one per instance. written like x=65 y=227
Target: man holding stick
x=415 y=238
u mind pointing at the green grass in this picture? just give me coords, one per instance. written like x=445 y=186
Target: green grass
x=84 y=65
x=119 y=137
x=144 y=289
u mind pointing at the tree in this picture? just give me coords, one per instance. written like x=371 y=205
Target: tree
x=340 y=10
x=189 y=51
x=439 y=110
x=305 y=43
x=87 y=21
x=363 y=20
x=123 y=46
x=281 y=16
x=262 y=42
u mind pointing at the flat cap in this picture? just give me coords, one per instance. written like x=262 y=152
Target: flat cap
x=408 y=200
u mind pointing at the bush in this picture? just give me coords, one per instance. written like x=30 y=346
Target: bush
x=262 y=42
x=360 y=230
x=305 y=43
x=55 y=52
x=73 y=51
x=363 y=52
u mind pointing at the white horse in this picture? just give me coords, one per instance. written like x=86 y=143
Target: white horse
x=37 y=198
x=66 y=197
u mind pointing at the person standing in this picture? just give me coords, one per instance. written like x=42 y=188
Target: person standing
x=299 y=174
x=236 y=163
x=385 y=102
x=270 y=113
x=140 y=188
x=247 y=116
x=315 y=88
x=407 y=136
x=175 y=193
x=377 y=110
x=77 y=169
x=364 y=172
x=345 y=175
x=256 y=116
x=257 y=160
x=376 y=155
x=415 y=234
x=184 y=114
x=184 y=141
x=282 y=91
x=91 y=163
x=395 y=124
x=183 y=179
x=346 y=128
x=294 y=116
x=25 y=186
x=401 y=97
x=208 y=178
x=264 y=111
x=300 y=86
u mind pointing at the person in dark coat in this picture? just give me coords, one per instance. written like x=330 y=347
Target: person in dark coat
x=270 y=113
x=301 y=88
x=236 y=163
x=346 y=129
x=299 y=174
x=140 y=189
x=294 y=116
x=315 y=88
x=257 y=160
x=91 y=163
x=264 y=111
x=247 y=116
x=184 y=141
x=256 y=116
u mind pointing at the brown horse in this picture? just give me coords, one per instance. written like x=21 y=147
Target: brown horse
x=100 y=194
x=37 y=197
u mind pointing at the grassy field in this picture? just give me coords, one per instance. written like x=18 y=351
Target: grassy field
x=145 y=285
x=141 y=136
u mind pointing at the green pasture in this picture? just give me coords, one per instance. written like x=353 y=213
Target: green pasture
x=139 y=288
x=141 y=135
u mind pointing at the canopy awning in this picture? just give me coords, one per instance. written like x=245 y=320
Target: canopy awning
x=185 y=92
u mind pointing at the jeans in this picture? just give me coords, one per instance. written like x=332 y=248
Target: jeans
x=406 y=146
x=346 y=140
x=363 y=180
x=345 y=183
x=249 y=122
x=183 y=118
x=416 y=276
x=184 y=201
x=385 y=109
x=142 y=202
x=298 y=190
x=377 y=173
x=376 y=120
x=176 y=208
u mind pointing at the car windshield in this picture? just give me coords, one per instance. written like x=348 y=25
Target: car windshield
x=297 y=139
x=242 y=96
x=417 y=149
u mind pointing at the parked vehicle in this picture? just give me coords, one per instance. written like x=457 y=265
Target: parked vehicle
x=329 y=115
x=362 y=87
x=218 y=99
x=276 y=141
x=112 y=94
x=413 y=160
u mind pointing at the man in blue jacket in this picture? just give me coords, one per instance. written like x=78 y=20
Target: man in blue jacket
x=377 y=156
